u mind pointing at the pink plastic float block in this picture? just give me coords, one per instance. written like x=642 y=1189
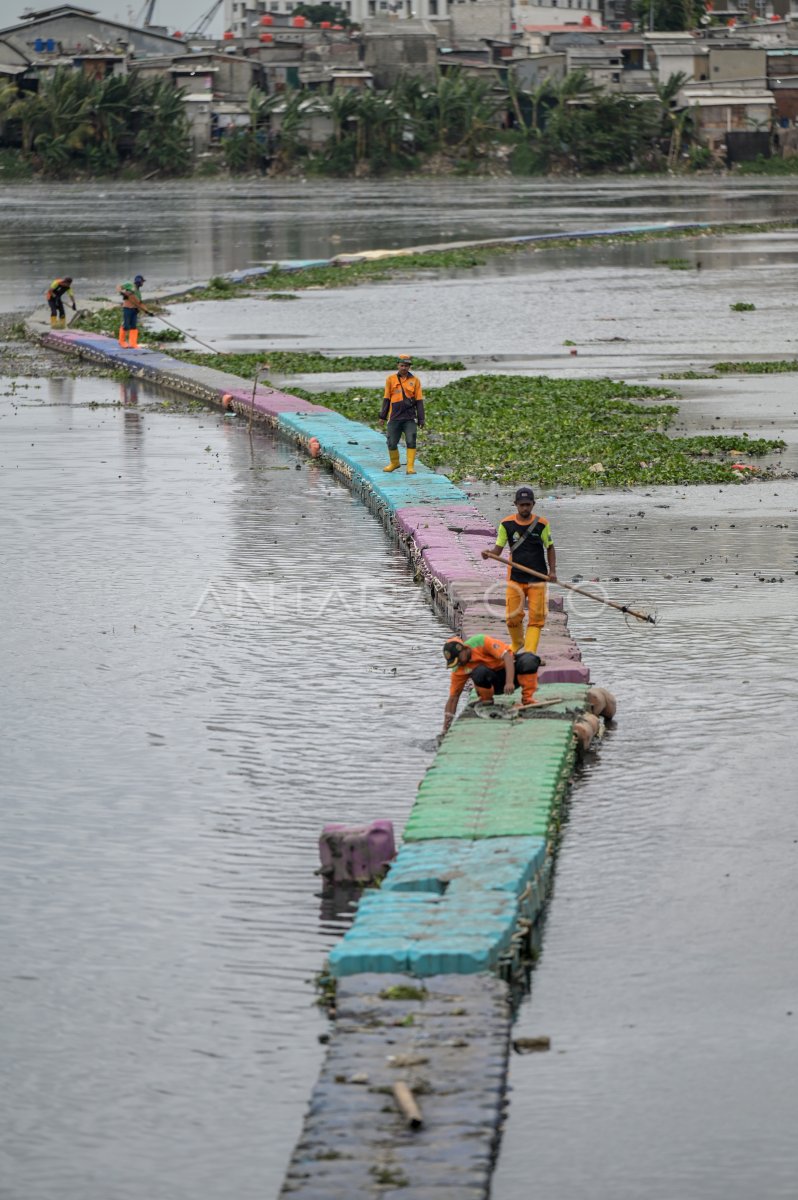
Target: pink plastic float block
x=563 y=670
x=450 y=539
x=273 y=403
x=551 y=647
x=356 y=853
x=556 y=603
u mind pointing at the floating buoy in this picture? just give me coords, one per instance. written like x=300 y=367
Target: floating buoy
x=227 y=400
x=586 y=729
x=583 y=733
x=573 y=351
x=610 y=705
x=596 y=699
x=314 y=446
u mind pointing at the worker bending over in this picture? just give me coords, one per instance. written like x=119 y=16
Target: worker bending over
x=55 y=298
x=492 y=667
x=530 y=543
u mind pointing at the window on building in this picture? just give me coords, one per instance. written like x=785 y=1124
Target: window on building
x=433 y=8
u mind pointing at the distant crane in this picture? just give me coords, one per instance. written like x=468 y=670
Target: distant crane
x=145 y=14
x=204 y=20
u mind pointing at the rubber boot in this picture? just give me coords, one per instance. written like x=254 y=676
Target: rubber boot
x=61 y=323
x=411 y=462
x=134 y=339
x=53 y=322
x=532 y=638
x=485 y=694
x=529 y=685
x=394 y=463
x=516 y=633
x=122 y=337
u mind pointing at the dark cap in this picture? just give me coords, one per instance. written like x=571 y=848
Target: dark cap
x=525 y=493
x=451 y=650
x=139 y=279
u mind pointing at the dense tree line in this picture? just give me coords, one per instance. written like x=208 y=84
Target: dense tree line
x=74 y=123
x=460 y=120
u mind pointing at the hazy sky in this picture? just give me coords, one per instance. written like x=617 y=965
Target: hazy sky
x=175 y=14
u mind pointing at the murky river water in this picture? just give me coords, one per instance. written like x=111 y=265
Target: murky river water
x=178 y=233
x=668 y=982
x=207 y=654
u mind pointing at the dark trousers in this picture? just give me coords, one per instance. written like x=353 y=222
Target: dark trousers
x=394 y=431
x=130 y=318
x=56 y=307
x=526 y=663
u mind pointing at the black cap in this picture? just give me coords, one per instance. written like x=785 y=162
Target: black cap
x=451 y=651
x=525 y=493
x=139 y=279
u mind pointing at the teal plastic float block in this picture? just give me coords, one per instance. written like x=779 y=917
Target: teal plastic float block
x=361 y=454
x=454 y=865
x=427 y=934
x=448 y=906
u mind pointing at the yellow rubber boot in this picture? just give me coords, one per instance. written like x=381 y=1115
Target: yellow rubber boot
x=516 y=633
x=532 y=638
x=53 y=322
x=61 y=323
x=134 y=339
x=411 y=462
x=122 y=338
x=394 y=463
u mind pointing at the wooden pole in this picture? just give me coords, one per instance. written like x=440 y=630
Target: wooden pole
x=570 y=587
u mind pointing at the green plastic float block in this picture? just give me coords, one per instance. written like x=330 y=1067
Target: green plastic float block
x=494 y=779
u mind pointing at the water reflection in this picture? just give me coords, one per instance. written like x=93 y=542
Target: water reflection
x=168 y=767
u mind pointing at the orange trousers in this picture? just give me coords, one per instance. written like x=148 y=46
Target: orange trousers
x=519 y=596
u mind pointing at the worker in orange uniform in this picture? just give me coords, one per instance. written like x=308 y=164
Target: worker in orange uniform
x=403 y=406
x=55 y=299
x=131 y=306
x=530 y=543
x=492 y=667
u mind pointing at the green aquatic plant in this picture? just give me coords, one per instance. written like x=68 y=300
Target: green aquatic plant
x=296 y=362
x=777 y=367
x=348 y=272
x=404 y=991
x=742 y=306
x=586 y=433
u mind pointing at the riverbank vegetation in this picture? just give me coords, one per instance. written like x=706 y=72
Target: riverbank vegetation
x=457 y=123
x=464 y=124
x=75 y=125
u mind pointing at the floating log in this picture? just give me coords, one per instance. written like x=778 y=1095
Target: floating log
x=406 y=1103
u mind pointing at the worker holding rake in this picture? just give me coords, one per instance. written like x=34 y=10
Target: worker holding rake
x=528 y=538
